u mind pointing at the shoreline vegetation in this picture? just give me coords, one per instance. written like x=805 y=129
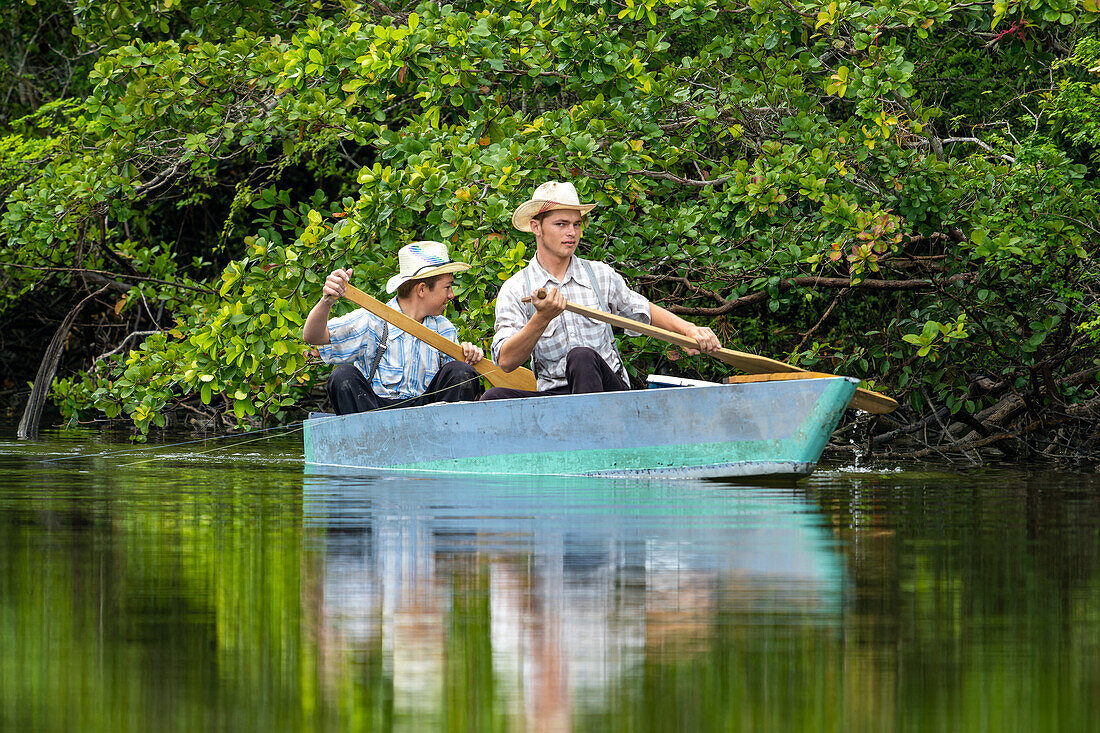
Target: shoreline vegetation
x=907 y=194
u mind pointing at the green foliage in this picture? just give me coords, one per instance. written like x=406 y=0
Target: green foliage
x=763 y=151
x=1076 y=108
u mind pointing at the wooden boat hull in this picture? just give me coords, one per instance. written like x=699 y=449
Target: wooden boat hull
x=756 y=429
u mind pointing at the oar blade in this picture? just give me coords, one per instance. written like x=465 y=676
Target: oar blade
x=864 y=399
x=519 y=378
x=873 y=402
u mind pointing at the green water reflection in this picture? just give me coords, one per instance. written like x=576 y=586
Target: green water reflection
x=178 y=589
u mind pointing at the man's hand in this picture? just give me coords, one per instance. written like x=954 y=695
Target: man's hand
x=315 y=329
x=550 y=306
x=336 y=285
x=708 y=342
x=471 y=354
x=517 y=348
x=701 y=335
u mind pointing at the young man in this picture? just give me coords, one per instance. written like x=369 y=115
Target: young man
x=381 y=365
x=572 y=354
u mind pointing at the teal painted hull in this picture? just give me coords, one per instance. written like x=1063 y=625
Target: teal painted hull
x=756 y=429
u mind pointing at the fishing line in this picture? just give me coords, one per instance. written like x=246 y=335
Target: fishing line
x=111 y=454
x=298 y=427
x=288 y=430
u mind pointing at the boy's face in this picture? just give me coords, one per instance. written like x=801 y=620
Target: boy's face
x=559 y=232
x=439 y=294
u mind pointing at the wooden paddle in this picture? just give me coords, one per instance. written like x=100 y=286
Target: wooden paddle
x=519 y=378
x=864 y=399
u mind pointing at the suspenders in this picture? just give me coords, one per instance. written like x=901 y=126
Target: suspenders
x=592 y=282
x=383 y=342
x=527 y=288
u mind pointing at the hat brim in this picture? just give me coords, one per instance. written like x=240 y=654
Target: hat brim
x=396 y=281
x=528 y=210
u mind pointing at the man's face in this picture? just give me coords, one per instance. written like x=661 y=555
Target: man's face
x=439 y=295
x=559 y=232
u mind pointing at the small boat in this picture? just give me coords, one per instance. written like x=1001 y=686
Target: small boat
x=765 y=428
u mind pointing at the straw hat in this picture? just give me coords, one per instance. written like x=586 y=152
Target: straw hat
x=421 y=260
x=550 y=196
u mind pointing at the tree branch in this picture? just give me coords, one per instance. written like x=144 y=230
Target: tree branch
x=131 y=335
x=104 y=277
x=828 y=312
x=981 y=144
x=812 y=282
x=47 y=368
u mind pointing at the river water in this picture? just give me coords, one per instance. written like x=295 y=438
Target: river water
x=218 y=586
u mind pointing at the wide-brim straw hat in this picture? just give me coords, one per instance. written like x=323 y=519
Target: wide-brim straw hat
x=421 y=260
x=550 y=196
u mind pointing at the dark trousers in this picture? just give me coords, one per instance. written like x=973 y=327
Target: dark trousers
x=585 y=372
x=349 y=391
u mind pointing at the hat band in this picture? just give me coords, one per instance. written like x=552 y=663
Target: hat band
x=550 y=205
x=547 y=206
x=429 y=266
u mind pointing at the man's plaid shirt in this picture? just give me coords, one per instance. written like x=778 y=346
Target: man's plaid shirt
x=569 y=330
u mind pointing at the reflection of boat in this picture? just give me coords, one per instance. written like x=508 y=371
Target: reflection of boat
x=769 y=533
x=579 y=582
x=753 y=429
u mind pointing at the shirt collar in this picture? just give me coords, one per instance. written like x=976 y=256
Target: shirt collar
x=397 y=307
x=397 y=333
x=571 y=273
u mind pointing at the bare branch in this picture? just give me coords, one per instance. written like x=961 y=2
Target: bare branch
x=811 y=281
x=981 y=144
x=132 y=335
x=104 y=277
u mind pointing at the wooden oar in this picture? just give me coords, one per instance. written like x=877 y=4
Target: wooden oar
x=519 y=378
x=864 y=399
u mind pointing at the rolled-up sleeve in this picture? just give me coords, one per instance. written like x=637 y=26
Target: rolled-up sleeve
x=511 y=315
x=349 y=335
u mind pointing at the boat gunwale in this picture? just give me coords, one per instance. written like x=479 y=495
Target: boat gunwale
x=634 y=393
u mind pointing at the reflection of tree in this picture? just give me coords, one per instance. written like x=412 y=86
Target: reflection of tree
x=976 y=594
x=158 y=600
